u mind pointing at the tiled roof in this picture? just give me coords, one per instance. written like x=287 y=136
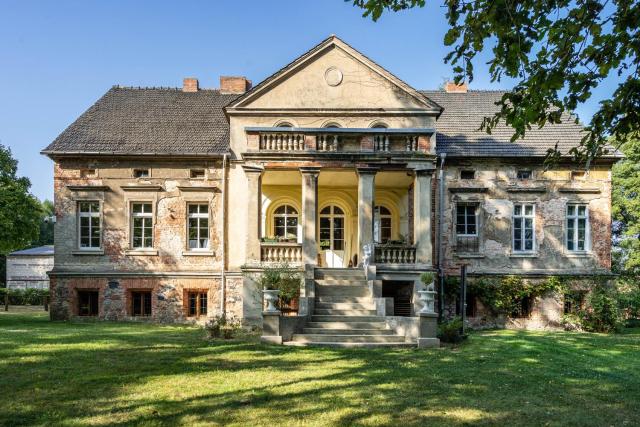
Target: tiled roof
x=149 y=121
x=166 y=121
x=458 y=134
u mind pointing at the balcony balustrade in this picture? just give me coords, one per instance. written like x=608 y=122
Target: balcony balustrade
x=281 y=253
x=395 y=254
x=282 y=141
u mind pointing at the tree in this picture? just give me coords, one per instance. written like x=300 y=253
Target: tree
x=626 y=207
x=46 y=224
x=20 y=212
x=558 y=51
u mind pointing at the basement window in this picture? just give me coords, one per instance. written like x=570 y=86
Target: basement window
x=141 y=303
x=196 y=303
x=197 y=173
x=467 y=174
x=578 y=175
x=524 y=174
x=141 y=173
x=88 y=303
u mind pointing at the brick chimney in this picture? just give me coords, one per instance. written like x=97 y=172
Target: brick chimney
x=234 y=84
x=189 y=84
x=452 y=87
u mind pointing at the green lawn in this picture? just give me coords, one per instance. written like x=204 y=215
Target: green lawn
x=126 y=373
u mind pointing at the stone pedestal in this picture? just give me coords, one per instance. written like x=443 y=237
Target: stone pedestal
x=428 y=330
x=271 y=327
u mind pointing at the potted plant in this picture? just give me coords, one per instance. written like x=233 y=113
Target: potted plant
x=279 y=283
x=270 y=281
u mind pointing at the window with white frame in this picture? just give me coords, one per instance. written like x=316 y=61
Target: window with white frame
x=577 y=228
x=89 y=225
x=466 y=222
x=381 y=224
x=523 y=227
x=198 y=226
x=285 y=222
x=141 y=225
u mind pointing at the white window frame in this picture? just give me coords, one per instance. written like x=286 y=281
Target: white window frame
x=133 y=215
x=575 y=217
x=89 y=215
x=199 y=216
x=477 y=207
x=522 y=218
x=377 y=223
x=286 y=217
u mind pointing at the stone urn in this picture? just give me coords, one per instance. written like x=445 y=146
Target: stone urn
x=428 y=299
x=271 y=297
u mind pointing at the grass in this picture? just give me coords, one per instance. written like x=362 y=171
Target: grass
x=87 y=373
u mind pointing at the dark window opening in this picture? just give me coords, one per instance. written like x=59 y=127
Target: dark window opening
x=197 y=173
x=523 y=308
x=141 y=173
x=141 y=303
x=467 y=174
x=197 y=303
x=87 y=303
x=471 y=309
x=401 y=292
x=524 y=174
x=574 y=301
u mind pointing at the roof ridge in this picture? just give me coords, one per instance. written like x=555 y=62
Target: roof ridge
x=167 y=88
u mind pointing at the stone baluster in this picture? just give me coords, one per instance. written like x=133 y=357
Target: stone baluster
x=386 y=143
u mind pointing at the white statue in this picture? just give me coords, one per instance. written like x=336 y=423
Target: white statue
x=367 y=251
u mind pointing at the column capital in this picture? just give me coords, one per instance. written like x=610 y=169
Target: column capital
x=310 y=170
x=367 y=170
x=253 y=169
x=423 y=171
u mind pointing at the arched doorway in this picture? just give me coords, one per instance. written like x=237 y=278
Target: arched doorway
x=332 y=236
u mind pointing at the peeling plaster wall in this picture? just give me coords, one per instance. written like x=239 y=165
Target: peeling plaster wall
x=550 y=191
x=169 y=206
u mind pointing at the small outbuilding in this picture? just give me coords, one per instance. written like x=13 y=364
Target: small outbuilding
x=27 y=269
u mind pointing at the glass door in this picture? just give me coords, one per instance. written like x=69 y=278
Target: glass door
x=332 y=236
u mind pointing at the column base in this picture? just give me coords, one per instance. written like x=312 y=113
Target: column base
x=271 y=339
x=428 y=343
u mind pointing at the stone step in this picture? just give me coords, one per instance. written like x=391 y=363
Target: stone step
x=335 y=282
x=348 y=338
x=347 y=325
x=329 y=318
x=342 y=291
x=335 y=273
x=343 y=299
x=347 y=331
x=345 y=306
x=344 y=312
x=351 y=344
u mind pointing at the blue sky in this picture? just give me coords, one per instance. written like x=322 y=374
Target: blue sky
x=58 y=57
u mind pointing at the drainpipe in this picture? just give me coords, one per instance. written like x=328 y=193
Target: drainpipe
x=439 y=236
x=223 y=279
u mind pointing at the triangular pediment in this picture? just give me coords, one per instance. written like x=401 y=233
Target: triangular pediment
x=334 y=76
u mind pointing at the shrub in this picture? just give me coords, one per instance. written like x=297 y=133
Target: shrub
x=24 y=296
x=602 y=313
x=221 y=327
x=571 y=322
x=427 y=278
x=283 y=278
x=449 y=331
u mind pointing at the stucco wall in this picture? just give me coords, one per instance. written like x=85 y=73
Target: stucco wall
x=28 y=271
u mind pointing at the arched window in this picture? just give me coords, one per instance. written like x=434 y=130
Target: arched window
x=379 y=125
x=285 y=222
x=381 y=224
x=332 y=125
x=284 y=125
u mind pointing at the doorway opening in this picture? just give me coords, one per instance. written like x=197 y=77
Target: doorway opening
x=402 y=293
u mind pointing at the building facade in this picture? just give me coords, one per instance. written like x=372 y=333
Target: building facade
x=170 y=201
x=28 y=268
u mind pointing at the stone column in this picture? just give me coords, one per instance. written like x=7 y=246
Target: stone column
x=252 y=242
x=422 y=216
x=366 y=197
x=309 y=214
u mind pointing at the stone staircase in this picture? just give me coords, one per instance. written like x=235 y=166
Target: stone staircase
x=345 y=314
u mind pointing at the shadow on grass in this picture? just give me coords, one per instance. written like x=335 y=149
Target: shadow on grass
x=129 y=373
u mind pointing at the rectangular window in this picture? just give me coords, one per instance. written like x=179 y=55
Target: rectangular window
x=87 y=303
x=467 y=174
x=141 y=303
x=466 y=219
x=197 y=303
x=524 y=174
x=198 y=226
x=141 y=225
x=197 y=174
x=577 y=227
x=141 y=173
x=89 y=225
x=523 y=227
